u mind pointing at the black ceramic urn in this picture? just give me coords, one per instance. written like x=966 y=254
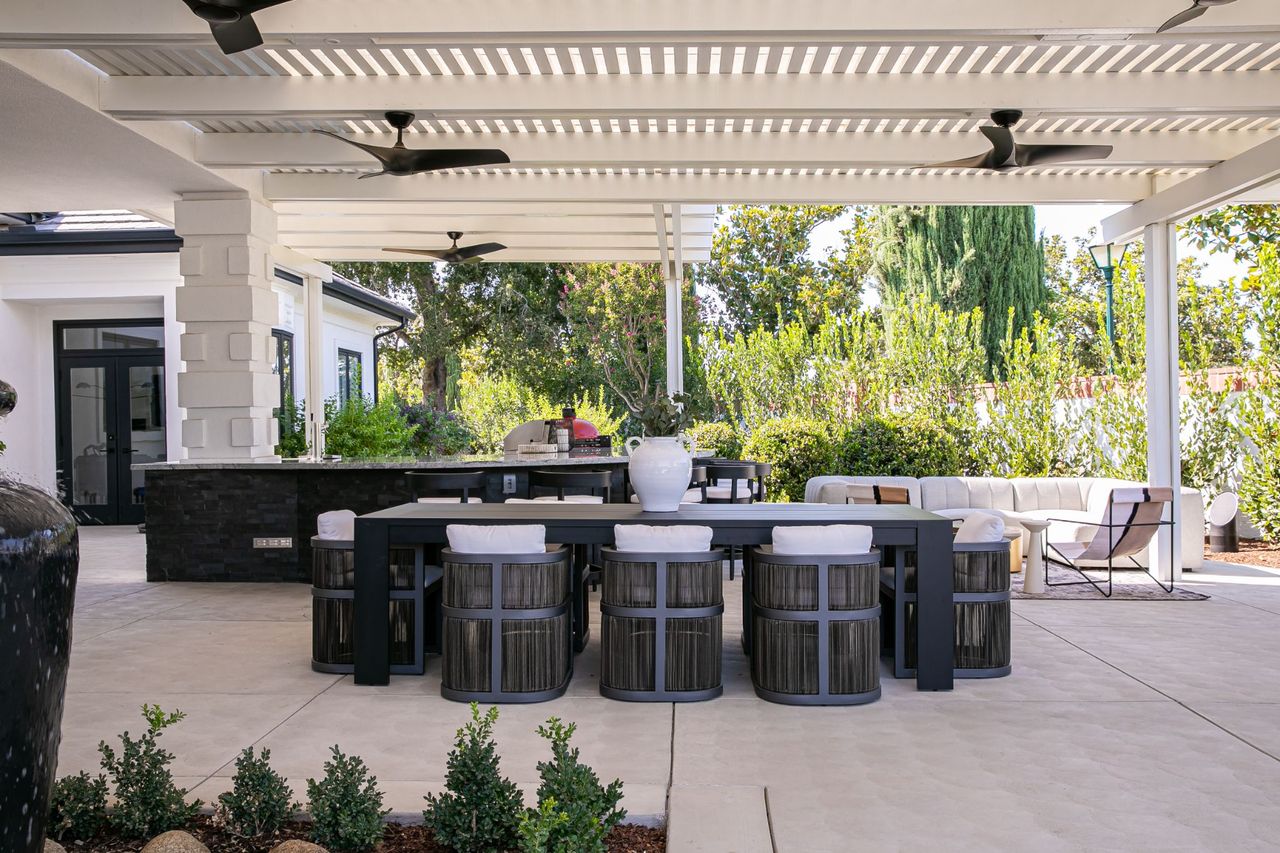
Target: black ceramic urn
x=39 y=557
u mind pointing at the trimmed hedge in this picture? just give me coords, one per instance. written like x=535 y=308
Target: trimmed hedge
x=798 y=449
x=719 y=438
x=897 y=447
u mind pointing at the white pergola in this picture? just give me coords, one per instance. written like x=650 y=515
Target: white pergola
x=626 y=123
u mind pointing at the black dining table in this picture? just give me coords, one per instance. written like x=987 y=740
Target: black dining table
x=895 y=529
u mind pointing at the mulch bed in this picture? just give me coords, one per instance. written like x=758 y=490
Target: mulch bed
x=399 y=838
x=1252 y=553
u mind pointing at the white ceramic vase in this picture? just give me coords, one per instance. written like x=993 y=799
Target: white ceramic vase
x=660 y=469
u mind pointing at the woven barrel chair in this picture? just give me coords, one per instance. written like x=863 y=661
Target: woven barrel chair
x=660 y=625
x=982 y=613
x=815 y=638
x=508 y=632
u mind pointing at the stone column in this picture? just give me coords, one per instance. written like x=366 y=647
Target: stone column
x=227 y=307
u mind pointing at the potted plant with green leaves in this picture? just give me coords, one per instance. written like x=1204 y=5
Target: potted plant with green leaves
x=661 y=460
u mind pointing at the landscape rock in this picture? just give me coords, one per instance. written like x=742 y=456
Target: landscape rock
x=51 y=846
x=297 y=845
x=175 y=841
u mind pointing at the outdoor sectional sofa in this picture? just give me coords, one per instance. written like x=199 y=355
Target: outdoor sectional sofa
x=1068 y=501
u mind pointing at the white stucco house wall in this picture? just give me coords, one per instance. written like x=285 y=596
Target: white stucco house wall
x=119 y=287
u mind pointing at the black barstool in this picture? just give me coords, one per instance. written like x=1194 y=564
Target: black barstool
x=594 y=487
x=447 y=487
x=743 y=484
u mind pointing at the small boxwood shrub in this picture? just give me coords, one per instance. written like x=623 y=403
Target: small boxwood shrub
x=718 y=438
x=797 y=448
x=897 y=447
x=147 y=801
x=590 y=810
x=260 y=800
x=480 y=810
x=359 y=428
x=77 y=807
x=346 y=805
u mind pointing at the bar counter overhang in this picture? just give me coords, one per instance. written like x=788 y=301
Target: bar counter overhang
x=253 y=521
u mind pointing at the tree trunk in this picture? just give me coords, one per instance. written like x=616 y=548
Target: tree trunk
x=435 y=379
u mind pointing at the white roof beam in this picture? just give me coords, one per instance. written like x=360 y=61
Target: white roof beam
x=1227 y=93
x=1215 y=187
x=68 y=23
x=717 y=149
x=921 y=188
x=309 y=242
x=345 y=223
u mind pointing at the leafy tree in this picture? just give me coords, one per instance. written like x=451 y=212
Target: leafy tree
x=1240 y=230
x=762 y=272
x=963 y=257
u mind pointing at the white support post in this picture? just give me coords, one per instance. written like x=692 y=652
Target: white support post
x=1164 y=451
x=675 y=315
x=227 y=307
x=314 y=298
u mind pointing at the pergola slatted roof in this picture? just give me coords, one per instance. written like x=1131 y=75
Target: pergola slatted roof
x=665 y=103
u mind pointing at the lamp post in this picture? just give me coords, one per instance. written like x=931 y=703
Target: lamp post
x=1107 y=257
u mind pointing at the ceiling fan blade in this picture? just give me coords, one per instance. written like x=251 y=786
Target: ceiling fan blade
x=371 y=175
x=472 y=262
x=430 y=253
x=1002 y=145
x=383 y=154
x=465 y=253
x=1047 y=155
x=982 y=161
x=1183 y=18
x=241 y=35
x=456 y=158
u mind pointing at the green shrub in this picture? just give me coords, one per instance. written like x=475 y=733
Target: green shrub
x=147 y=801
x=77 y=807
x=346 y=805
x=797 y=448
x=292 y=417
x=438 y=433
x=359 y=428
x=480 y=810
x=538 y=825
x=718 y=438
x=590 y=809
x=260 y=800
x=897 y=447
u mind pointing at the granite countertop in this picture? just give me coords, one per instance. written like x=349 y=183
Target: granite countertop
x=583 y=456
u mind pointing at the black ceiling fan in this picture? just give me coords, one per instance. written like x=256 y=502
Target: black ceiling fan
x=402 y=161
x=455 y=254
x=232 y=21
x=1006 y=154
x=1198 y=8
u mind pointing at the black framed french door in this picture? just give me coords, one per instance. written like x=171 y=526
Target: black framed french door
x=110 y=415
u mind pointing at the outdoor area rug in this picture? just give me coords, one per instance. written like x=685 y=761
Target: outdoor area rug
x=1130 y=585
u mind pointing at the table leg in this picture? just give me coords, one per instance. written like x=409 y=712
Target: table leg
x=1033 y=580
x=935 y=616
x=746 y=598
x=373 y=599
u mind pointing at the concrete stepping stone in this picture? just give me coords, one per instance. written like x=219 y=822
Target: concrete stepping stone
x=718 y=819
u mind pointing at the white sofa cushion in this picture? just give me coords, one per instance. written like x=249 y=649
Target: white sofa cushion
x=972 y=492
x=813 y=488
x=339 y=524
x=1066 y=525
x=662 y=538
x=980 y=527
x=824 y=539
x=497 y=539
x=1032 y=493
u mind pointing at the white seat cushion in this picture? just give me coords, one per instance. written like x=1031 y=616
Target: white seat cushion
x=497 y=539
x=831 y=539
x=1066 y=525
x=339 y=524
x=662 y=539
x=571 y=499
x=723 y=490
x=980 y=527
x=448 y=500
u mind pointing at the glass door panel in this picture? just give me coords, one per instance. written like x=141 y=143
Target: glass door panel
x=144 y=426
x=90 y=436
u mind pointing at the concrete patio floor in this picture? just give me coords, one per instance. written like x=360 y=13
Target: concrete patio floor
x=1125 y=725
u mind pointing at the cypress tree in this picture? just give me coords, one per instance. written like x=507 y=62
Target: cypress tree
x=964 y=257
